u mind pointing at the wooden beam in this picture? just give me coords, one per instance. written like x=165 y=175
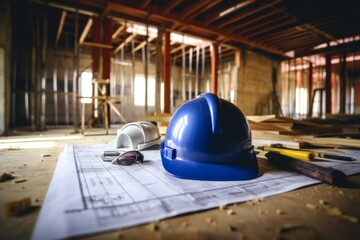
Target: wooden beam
x=327 y=84
x=272 y=27
x=166 y=69
x=61 y=25
x=142 y=44
x=198 y=7
x=158 y=17
x=215 y=15
x=310 y=89
x=214 y=68
x=94 y=44
x=86 y=30
x=242 y=16
x=145 y=4
x=118 y=31
x=127 y=40
x=322 y=33
x=170 y=6
x=176 y=49
x=262 y=16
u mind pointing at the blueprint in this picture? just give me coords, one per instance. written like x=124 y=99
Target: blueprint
x=88 y=195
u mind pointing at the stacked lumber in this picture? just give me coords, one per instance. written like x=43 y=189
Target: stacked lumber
x=284 y=125
x=297 y=134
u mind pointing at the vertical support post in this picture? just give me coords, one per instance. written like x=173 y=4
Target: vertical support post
x=328 y=84
x=146 y=67
x=42 y=122
x=159 y=59
x=166 y=70
x=95 y=55
x=214 y=68
x=183 y=70
x=342 y=78
x=106 y=61
x=197 y=71
x=310 y=89
x=55 y=92
x=76 y=72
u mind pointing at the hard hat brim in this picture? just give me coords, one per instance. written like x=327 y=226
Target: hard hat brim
x=196 y=170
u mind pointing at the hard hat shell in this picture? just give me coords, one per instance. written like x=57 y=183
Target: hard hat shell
x=209 y=138
x=137 y=136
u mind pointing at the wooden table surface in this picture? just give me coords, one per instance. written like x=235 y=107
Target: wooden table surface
x=315 y=212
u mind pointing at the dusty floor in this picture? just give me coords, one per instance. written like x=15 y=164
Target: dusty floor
x=316 y=212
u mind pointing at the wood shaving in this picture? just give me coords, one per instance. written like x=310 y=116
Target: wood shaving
x=222 y=207
x=20 y=181
x=341 y=192
x=322 y=202
x=289 y=228
x=233 y=228
x=336 y=212
x=184 y=224
x=351 y=219
x=17 y=207
x=230 y=212
x=311 y=206
x=154 y=227
x=209 y=220
x=255 y=201
x=279 y=212
x=5 y=176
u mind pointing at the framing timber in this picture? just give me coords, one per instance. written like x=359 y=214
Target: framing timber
x=99 y=45
x=86 y=30
x=123 y=44
x=214 y=68
x=118 y=31
x=166 y=68
x=60 y=28
x=142 y=44
x=159 y=17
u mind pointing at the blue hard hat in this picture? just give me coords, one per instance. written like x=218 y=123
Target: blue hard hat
x=209 y=138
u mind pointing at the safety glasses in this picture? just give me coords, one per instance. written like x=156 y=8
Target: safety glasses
x=122 y=158
x=129 y=158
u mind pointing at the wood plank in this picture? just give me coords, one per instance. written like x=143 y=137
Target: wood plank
x=86 y=30
x=60 y=28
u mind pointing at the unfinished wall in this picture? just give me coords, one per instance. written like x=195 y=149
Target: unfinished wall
x=5 y=45
x=254 y=85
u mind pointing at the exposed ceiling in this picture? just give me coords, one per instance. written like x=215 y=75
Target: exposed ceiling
x=272 y=26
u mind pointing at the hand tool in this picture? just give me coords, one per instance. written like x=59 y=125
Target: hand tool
x=299 y=154
x=324 y=174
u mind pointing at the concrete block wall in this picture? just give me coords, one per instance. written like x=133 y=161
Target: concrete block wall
x=254 y=84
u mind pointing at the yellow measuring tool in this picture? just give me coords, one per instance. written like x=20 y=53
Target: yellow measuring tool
x=298 y=154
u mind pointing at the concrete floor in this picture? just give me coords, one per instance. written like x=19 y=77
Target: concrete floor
x=306 y=213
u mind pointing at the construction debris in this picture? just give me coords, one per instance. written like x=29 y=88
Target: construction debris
x=5 y=176
x=322 y=202
x=17 y=207
x=154 y=227
x=336 y=212
x=230 y=212
x=311 y=206
x=20 y=181
x=233 y=228
x=289 y=228
x=223 y=207
x=279 y=212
